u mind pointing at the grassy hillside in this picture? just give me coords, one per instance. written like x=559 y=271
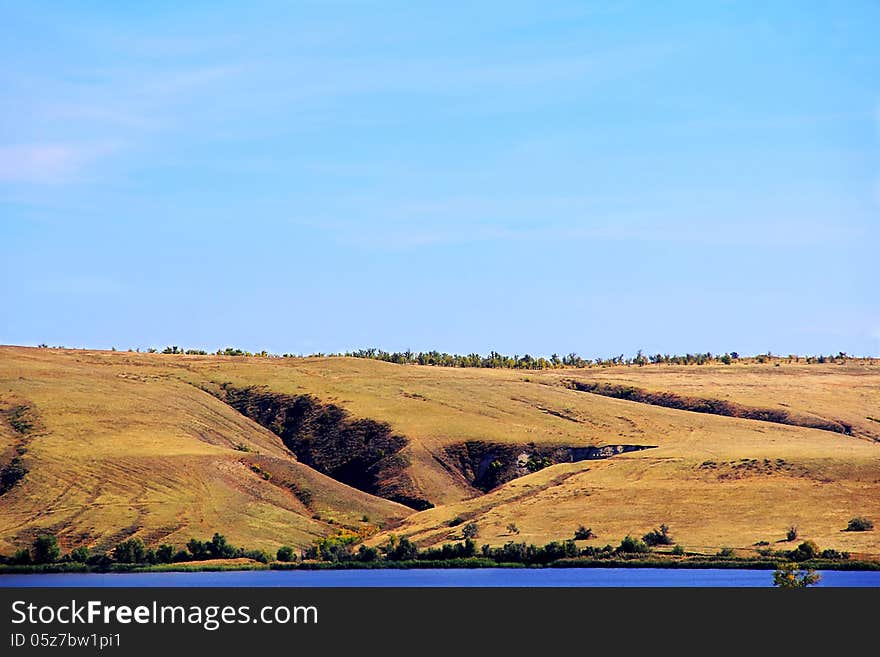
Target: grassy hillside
x=122 y=446
x=119 y=443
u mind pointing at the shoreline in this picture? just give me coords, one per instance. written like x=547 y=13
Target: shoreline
x=473 y=564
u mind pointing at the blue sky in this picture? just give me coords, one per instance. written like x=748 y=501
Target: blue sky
x=597 y=177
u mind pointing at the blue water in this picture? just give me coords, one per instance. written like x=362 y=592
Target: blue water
x=510 y=577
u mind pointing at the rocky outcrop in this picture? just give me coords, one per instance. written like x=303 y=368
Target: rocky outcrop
x=487 y=465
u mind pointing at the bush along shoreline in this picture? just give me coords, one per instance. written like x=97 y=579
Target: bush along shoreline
x=345 y=551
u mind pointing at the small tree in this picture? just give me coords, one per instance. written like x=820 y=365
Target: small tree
x=80 y=554
x=804 y=552
x=583 y=533
x=470 y=530
x=45 y=549
x=630 y=545
x=859 y=524
x=792 y=533
x=512 y=528
x=285 y=554
x=658 y=537
x=792 y=576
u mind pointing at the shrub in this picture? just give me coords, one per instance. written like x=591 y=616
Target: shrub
x=512 y=528
x=630 y=545
x=583 y=533
x=456 y=521
x=304 y=495
x=470 y=530
x=367 y=554
x=80 y=554
x=11 y=474
x=449 y=551
x=791 y=534
x=658 y=537
x=804 y=552
x=285 y=554
x=100 y=561
x=333 y=548
x=792 y=576
x=21 y=557
x=678 y=550
x=45 y=549
x=859 y=524
x=538 y=463
x=400 y=549
x=725 y=552
x=180 y=556
x=257 y=555
x=833 y=554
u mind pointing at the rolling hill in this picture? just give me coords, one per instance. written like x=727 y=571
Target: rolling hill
x=98 y=446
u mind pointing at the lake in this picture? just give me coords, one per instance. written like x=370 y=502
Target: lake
x=487 y=577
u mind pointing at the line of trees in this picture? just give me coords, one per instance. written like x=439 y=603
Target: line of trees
x=524 y=362
x=528 y=362
x=46 y=550
x=340 y=549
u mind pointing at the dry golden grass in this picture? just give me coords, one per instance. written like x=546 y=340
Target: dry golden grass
x=125 y=447
x=128 y=443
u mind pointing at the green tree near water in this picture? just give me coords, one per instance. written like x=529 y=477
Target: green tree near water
x=165 y=553
x=130 y=551
x=792 y=576
x=45 y=549
x=79 y=554
x=285 y=554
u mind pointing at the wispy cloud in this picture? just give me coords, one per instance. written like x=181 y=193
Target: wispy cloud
x=48 y=163
x=73 y=126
